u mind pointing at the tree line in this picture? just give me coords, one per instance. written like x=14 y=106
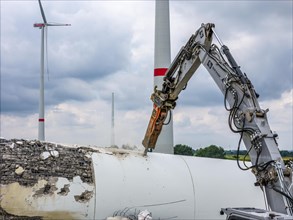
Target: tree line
x=214 y=151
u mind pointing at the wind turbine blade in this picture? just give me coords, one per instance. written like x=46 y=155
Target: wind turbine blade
x=42 y=12
x=57 y=24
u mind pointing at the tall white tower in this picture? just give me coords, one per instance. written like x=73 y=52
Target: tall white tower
x=112 y=123
x=43 y=27
x=41 y=124
x=162 y=62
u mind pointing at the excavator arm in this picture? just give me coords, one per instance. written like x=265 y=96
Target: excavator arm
x=245 y=115
x=180 y=71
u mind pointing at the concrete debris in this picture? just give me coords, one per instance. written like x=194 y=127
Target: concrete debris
x=26 y=161
x=54 y=153
x=117 y=218
x=128 y=147
x=126 y=214
x=19 y=170
x=65 y=190
x=144 y=215
x=12 y=145
x=45 y=155
x=46 y=190
x=84 y=197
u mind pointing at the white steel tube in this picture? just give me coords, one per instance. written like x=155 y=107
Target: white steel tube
x=97 y=183
x=161 y=64
x=41 y=131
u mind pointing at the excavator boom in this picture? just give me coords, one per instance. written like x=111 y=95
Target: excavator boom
x=165 y=100
x=245 y=114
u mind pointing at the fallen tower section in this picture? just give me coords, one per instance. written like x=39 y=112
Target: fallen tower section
x=42 y=180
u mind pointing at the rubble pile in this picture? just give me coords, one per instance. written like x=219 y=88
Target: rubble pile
x=26 y=161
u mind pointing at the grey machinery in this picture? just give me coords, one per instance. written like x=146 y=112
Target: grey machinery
x=245 y=117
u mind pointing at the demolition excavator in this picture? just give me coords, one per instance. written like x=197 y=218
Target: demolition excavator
x=246 y=118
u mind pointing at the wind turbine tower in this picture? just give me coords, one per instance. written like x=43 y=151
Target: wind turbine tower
x=112 y=123
x=43 y=27
x=162 y=62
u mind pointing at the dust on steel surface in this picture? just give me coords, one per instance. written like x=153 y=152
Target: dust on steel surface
x=5 y=215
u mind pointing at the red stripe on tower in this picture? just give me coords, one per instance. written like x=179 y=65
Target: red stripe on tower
x=160 y=71
x=41 y=119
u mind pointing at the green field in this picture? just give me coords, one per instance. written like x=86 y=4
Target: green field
x=241 y=158
x=234 y=157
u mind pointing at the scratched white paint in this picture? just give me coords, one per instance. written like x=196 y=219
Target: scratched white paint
x=24 y=201
x=60 y=203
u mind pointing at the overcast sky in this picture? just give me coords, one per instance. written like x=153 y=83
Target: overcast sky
x=110 y=48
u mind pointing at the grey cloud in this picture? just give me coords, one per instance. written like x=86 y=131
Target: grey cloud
x=132 y=90
x=272 y=74
x=201 y=91
x=19 y=91
x=69 y=89
x=269 y=23
x=20 y=103
x=89 y=59
x=91 y=55
x=89 y=50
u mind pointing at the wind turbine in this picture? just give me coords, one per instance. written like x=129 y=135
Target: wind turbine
x=162 y=61
x=112 y=123
x=43 y=27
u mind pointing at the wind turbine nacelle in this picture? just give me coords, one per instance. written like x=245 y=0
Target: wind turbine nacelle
x=39 y=25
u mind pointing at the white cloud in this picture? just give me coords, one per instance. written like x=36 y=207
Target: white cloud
x=200 y=127
x=281 y=118
x=19 y=127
